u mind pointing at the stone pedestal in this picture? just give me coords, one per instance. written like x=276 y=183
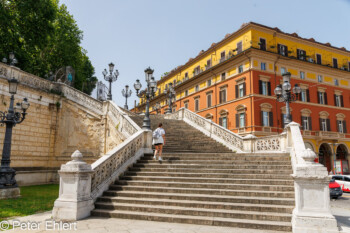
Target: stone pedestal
x=7 y=193
x=74 y=201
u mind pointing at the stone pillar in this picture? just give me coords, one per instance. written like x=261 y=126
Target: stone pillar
x=74 y=201
x=147 y=146
x=248 y=143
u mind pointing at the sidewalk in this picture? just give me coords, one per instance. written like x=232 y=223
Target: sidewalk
x=100 y=225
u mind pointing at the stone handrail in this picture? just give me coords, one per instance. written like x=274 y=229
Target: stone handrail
x=123 y=122
x=269 y=143
x=312 y=208
x=213 y=130
x=107 y=169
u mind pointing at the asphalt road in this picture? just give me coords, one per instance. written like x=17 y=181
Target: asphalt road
x=341 y=210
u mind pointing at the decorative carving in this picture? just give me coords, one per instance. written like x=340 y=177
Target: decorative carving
x=120 y=118
x=268 y=144
x=115 y=161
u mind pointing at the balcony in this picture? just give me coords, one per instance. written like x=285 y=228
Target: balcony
x=329 y=135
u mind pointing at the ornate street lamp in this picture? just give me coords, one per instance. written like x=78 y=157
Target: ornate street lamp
x=126 y=93
x=110 y=78
x=171 y=94
x=14 y=115
x=157 y=107
x=148 y=94
x=284 y=94
x=13 y=61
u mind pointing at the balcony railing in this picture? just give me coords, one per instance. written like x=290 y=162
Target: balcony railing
x=331 y=135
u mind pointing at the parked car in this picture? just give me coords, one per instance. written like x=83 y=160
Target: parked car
x=335 y=189
x=344 y=181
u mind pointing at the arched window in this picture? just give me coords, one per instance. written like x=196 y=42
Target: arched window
x=325 y=124
x=341 y=123
x=306 y=122
x=266 y=114
x=223 y=119
x=241 y=116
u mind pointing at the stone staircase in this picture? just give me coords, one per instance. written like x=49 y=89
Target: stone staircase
x=200 y=181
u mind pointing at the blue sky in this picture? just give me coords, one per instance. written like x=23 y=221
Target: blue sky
x=163 y=34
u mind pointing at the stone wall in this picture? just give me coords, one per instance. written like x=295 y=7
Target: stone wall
x=56 y=125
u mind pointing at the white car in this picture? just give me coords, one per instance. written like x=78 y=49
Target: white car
x=343 y=181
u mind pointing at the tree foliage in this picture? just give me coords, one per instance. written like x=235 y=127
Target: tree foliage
x=44 y=37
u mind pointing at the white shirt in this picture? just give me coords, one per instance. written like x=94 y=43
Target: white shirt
x=161 y=132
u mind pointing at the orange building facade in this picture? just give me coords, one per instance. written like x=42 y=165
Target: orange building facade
x=232 y=83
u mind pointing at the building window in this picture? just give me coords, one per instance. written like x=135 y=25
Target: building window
x=209 y=82
x=302 y=75
x=223 y=76
x=282 y=49
x=319 y=78
x=306 y=122
x=196 y=104
x=305 y=95
x=241 y=120
x=186 y=93
x=264 y=88
x=240 y=69
x=283 y=70
x=208 y=64
x=209 y=100
x=338 y=100
x=222 y=56
x=196 y=70
x=263 y=66
x=318 y=59
x=186 y=76
x=322 y=98
x=266 y=118
x=239 y=47
x=240 y=90
x=262 y=44
x=222 y=97
x=336 y=82
x=325 y=125
x=186 y=105
x=301 y=54
x=197 y=88
x=335 y=63
x=341 y=126
x=223 y=121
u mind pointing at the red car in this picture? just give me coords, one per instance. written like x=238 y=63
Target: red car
x=335 y=189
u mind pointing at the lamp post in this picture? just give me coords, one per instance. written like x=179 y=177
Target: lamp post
x=170 y=93
x=149 y=92
x=284 y=94
x=110 y=78
x=13 y=61
x=14 y=115
x=126 y=93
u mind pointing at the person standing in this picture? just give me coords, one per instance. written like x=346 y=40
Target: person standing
x=158 y=141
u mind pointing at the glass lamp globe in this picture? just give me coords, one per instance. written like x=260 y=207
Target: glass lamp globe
x=286 y=86
x=25 y=105
x=13 y=84
x=137 y=85
x=278 y=90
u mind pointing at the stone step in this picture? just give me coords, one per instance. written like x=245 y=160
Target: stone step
x=209 y=180
x=201 y=169
x=224 y=155
x=282 y=188
x=202 y=220
x=249 y=193
x=210 y=175
x=177 y=210
x=200 y=204
x=209 y=159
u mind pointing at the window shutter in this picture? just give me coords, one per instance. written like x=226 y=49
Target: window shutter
x=224 y=95
x=308 y=95
x=278 y=48
x=244 y=92
x=262 y=118
x=325 y=98
x=344 y=126
x=268 y=88
x=237 y=120
x=260 y=87
x=220 y=97
x=328 y=125
x=298 y=53
x=320 y=124
x=310 y=123
x=286 y=50
x=335 y=100
x=318 y=97
x=337 y=126
x=236 y=87
x=341 y=101
x=302 y=122
x=220 y=121
x=282 y=120
x=271 y=118
x=245 y=119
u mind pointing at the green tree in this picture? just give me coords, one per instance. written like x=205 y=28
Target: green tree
x=44 y=37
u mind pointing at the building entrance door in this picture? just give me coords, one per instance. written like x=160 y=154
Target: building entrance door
x=325 y=156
